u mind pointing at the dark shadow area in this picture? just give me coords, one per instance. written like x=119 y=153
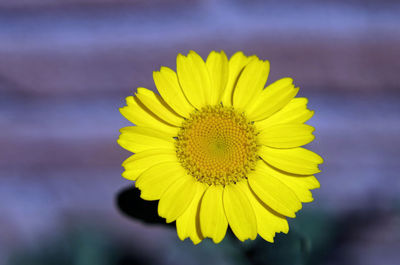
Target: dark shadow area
x=311 y=237
x=130 y=204
x=320 y=238
x=81 y=244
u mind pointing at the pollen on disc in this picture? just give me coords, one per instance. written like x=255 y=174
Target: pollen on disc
x=217 y=145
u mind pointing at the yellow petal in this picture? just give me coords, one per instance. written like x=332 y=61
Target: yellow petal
x=286 y=135
x=168 y=86
x=188 y=224
x=310 y=182
x=239 y=211
x=235 y=65
x=294 y=112
x=273 y=192
x=157 y=105
x=137 y=139
x=155 y=180
x=217 y=65
x=273 y=98
x=250 y=83
x=295 y=160
x=139 y=115
x=177 y=198
x=194 y=79
x=213 y=221
x=137 y=163
x=300 y=185
x=268 y=222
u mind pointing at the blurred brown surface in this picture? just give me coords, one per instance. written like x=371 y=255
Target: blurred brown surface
x=87 y=51
x=29 y=4
x=319 y=65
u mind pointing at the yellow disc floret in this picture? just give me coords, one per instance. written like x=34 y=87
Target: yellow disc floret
x=217 y=145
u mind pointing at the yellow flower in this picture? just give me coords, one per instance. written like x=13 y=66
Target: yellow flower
x=216 y=148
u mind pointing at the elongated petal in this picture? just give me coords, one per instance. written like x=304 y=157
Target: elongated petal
x=235 y=65
x=268 y=222
x=286 y=135
x=154 y=181
x=138 y=163
x=213 y=222
x=295 y=160
x=217 y=65
x=294 y=112
x=194 y=79
x=168 y=86
x=250 y=84
x=273 y=98
x=273 y=192
x=177 y=198
x=157 y=105
x=139 y=115
x=239 y=212
x=300 y=185
x=188 y=224
x=137 y=139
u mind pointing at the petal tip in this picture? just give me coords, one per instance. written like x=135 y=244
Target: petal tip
x=217 y=240
x=193 y=53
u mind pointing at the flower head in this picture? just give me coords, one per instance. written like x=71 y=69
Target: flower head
x=216 y=148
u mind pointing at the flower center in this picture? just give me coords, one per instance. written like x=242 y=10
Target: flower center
x=217 y=145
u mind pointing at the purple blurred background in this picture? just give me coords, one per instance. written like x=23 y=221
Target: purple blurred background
x=67 y=65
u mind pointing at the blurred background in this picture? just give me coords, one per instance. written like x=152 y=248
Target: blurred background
x=67 y=65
